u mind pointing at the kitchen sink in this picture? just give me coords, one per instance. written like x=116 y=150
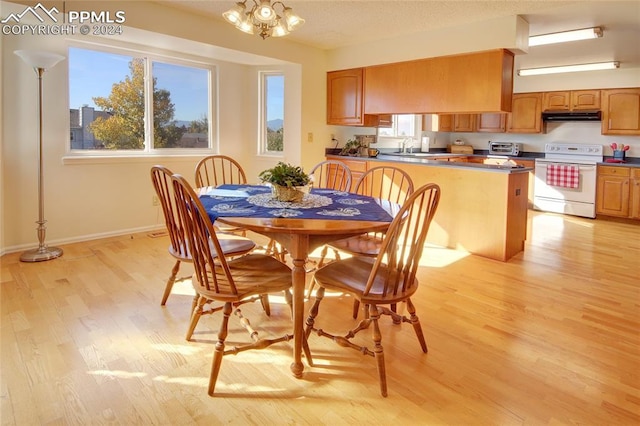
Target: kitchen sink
x=411 y=154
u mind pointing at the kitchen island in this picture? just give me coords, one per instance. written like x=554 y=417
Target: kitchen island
x=483 y=207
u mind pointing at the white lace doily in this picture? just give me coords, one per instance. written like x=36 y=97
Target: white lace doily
x=310 y=201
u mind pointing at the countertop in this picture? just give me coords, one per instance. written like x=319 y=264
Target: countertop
x=430 y=160
x=628 y=162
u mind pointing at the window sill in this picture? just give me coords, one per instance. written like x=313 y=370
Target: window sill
x=120 y=159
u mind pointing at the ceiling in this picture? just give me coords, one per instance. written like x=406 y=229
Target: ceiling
x=334 y=24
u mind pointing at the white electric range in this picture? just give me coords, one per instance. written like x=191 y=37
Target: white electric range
x=579 y=201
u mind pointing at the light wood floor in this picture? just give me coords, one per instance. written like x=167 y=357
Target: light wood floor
x=551 y=337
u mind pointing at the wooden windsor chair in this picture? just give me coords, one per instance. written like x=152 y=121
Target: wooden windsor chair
x=216 y=170
x=382 y=281
x=331 y=174
x=231 y=282
x=386 y=183
x=231 y=245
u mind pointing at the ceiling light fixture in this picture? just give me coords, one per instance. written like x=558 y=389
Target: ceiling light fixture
x=570 y=68
x=263 y=18
x=564 y=36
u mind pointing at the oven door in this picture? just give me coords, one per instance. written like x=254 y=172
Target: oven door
x=579 y=201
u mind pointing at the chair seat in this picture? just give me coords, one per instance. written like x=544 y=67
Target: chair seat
x=232 y=245
x=252 y=274
x=350 y=275
x=362 y=245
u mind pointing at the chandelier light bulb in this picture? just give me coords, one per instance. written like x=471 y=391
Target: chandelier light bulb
x=264 y=12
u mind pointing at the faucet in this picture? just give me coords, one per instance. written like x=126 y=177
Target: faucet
x=404 y=145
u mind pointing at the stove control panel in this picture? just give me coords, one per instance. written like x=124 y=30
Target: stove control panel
x=573 y=149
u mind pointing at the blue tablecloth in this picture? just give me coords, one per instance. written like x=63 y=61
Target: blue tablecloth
x=257 y=201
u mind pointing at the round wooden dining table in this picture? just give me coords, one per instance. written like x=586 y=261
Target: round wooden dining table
x=300 y=237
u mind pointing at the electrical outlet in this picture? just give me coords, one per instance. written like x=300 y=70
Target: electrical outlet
x=309 y=137
x=155 y=201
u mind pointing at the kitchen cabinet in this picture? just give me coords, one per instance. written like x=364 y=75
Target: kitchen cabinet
x=613 y=191
x=526 y=113
x=437 y=122
x=574 y=100
x=466 y=83
x=491 y=123
x=621 y=111
x=464 y=122
x=345 y=100
x=465 y=218
x=385 y=120
x=634 y=202
x=344 y=97
x=520 y=162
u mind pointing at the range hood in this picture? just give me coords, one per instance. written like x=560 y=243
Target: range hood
x=572 y=116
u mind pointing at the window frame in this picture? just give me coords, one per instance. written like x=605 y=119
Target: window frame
x=262 y=113
x=150 y=56
x=417 y=127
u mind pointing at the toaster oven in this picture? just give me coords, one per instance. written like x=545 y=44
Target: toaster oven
x=504 y=148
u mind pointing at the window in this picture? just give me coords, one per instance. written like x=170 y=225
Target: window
x=271 y=132
x=404 y=125
x=110 y=94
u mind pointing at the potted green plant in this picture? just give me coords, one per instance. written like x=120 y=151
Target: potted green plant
x=352 y=147
x=289 y=183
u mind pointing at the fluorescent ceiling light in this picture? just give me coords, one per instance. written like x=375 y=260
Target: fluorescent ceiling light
x=565 y=36
x=570 y=68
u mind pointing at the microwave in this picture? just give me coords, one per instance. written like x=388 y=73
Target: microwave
x=504 y=148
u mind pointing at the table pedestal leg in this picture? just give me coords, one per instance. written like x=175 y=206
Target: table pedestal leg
x=298 y=250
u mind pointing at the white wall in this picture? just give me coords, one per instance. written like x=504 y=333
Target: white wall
x=99 y=197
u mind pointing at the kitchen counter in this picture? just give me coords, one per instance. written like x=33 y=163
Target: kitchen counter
x=429 y=159
x=483 y=207
x=629 y=162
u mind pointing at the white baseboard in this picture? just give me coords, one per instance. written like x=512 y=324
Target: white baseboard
x=81 y=238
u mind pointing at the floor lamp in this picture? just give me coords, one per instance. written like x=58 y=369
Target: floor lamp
x=40 y=61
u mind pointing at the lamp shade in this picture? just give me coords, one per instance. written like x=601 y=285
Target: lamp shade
x=235 y=14
x=39 y=59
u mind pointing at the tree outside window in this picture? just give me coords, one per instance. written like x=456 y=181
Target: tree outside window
x=272 y=140
x=116 y=121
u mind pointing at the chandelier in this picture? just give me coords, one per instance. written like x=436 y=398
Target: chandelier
x=263 y=19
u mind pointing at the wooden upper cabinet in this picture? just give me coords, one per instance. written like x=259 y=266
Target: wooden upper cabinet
x=526 y=114
x=574 y=100
x=437 y=122
x=385 y=120
x=468 y=83
x=621 y=111
x=556 y=101
x=464 y=122
x=445 y=123
x=491 y=123
x=344 y=97
x=585 y=100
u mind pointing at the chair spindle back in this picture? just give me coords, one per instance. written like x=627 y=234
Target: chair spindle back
x=403 y=244
x=216 y=170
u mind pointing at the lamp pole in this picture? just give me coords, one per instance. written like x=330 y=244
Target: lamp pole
x=40 y=61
